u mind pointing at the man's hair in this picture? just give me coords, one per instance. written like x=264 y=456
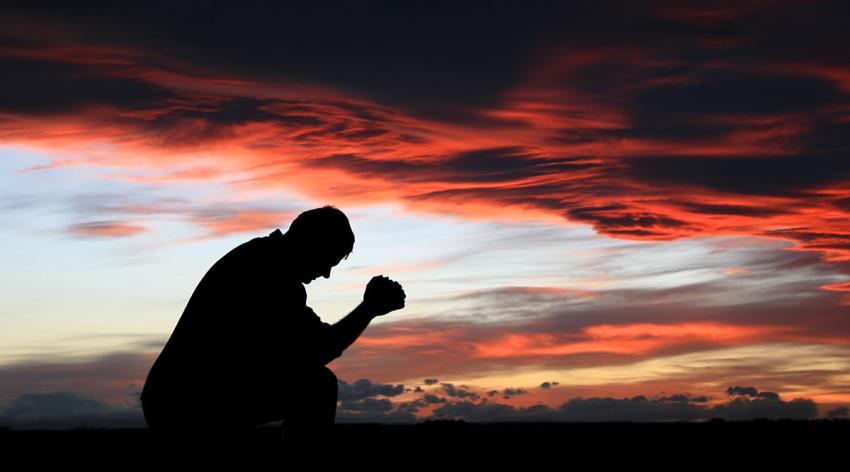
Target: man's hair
x=325 y=227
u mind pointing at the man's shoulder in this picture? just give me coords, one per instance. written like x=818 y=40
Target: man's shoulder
x=253 y=251
x=251 y=263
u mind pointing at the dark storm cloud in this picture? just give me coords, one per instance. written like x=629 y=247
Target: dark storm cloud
x=623 y=220
x=828 y=136
x=483 y=165
x=442 y=58
x=838 y=412
x=197 y=123
x=787 y=175
x=468 y=59
x=239 y=110
x=364 y=388
x=730 y=92
x=721 y=209
x=547 y=196
x=503 y=164
x=548 y=385
x=45 y=87
x=430 y=381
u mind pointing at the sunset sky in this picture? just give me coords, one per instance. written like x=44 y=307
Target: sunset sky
x=597 y=211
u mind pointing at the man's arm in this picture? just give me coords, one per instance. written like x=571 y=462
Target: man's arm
x=345 y=331
x=381 y=297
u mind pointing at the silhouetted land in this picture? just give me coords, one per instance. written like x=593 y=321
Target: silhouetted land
x=758 y=441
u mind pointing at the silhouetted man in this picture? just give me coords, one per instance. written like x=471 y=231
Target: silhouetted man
x=248 y=350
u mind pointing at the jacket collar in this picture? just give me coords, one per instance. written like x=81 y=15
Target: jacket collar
x=281 y=251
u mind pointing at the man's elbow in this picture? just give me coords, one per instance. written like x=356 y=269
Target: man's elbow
x=330 y=356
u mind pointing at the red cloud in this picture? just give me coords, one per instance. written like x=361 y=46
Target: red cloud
x=638 y=144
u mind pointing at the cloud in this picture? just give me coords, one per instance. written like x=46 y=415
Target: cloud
x=429 y=399
x=510 y=392
x=123 y=211
x=678 y=407
x=364 y=388
x=575 y=115
x=481 y=166
x=367 y=404
x=109 y=377
x=694 y=139
x=604 y=338
x=838 y=412
x=117 y=405
x=458 y=392
x=789 y=176
x=430 y=381
x=64 y=410
x=548 y=385
x=111 y=229
x=742 y=408
x=49 y=87
x=751 y=392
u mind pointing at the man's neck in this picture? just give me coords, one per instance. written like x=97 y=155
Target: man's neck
x=283 y=254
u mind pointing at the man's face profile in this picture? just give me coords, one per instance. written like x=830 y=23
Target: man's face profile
x=316 y=262
x=321 y=269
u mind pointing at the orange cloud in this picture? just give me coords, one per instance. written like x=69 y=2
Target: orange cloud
x=839 y=287
x=630 y=339
x=106 y=229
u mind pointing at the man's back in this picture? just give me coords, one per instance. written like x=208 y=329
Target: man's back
x=230 y=334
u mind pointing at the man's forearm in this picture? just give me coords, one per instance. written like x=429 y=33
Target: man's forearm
x=348 y=329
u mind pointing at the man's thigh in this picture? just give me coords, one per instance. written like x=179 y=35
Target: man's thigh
x=297 y=393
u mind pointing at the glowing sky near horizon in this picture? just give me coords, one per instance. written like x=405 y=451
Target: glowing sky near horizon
x=654 y=205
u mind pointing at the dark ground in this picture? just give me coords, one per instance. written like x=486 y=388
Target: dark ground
x=723 y=443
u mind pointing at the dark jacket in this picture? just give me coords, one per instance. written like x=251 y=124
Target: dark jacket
x=245 y=327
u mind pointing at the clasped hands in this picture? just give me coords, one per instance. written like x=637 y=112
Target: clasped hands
x=383 y=295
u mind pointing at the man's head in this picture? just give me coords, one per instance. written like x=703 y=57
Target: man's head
x=319 y=238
